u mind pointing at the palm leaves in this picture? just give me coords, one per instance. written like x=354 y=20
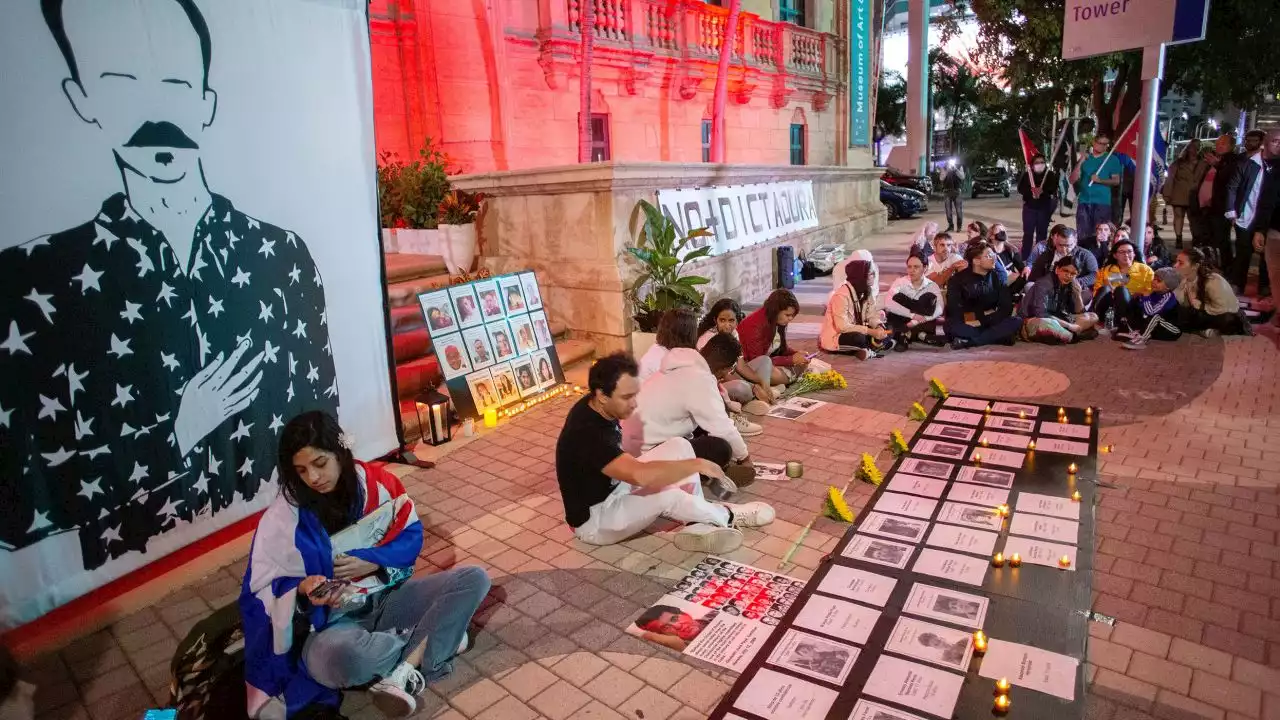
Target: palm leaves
x=661 y=250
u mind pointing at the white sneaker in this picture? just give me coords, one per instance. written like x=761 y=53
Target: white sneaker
x=395 y=694
x=706 y=538
x=745 y=427
x=778 y=390
x=752 y=514
x=733 y=407
x=1135 y=344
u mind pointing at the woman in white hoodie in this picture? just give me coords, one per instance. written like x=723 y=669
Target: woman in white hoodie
x=912 y=307
x=677 y=329
x=852 y=323
x=683 y=400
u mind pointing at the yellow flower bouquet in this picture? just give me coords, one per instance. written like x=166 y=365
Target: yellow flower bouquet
x=917 y=412
x=835 y=506
x=868 y=472
x=897 y=443
x=813 y=382
x=937 y=389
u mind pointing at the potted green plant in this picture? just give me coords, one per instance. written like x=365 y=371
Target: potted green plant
x=456 y=218
x=663 y=254
x=409 y=195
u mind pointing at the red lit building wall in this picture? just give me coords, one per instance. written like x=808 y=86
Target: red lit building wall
x=496 y=82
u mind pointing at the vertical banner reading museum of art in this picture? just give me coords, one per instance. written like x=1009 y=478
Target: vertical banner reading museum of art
x=861 y=73
x=188 y=259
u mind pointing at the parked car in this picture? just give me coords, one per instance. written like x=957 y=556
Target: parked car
x=901 y=202
x=825 y=257
x=895 y=177
x=991 y=180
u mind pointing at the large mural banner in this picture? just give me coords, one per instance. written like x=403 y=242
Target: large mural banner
x=188 y=258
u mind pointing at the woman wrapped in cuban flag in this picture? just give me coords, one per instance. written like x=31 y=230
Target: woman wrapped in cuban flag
x=335 y=551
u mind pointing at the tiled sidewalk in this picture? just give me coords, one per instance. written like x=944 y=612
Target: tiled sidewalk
x=1189 y=562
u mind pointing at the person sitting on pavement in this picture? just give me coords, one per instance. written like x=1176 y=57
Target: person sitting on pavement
x=1100 y=244
x=851 y=323
x=1010 y=259
x=922 y=243
x=1121 y=281
x=682 y=400
x=1206 y=303
x=764 y=334
x=913 y=306
x=677 y=328
x=944 y=263
x=1153 y=248
x=1053 y=309
x=747 y=383
x=1063 y=239
x=1153 y=317
x=400 y=637
x=978 y=293
x=975 y=231
x=838 y=273
x=610 y=495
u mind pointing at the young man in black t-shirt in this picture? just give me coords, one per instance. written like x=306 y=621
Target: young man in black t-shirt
x=610 y=496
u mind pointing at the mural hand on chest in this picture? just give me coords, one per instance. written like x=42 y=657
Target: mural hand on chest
x=221 y=389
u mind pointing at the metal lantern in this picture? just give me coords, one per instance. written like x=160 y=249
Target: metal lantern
x=433 y=417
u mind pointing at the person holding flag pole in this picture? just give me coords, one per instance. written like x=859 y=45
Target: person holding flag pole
x=1039 y=189
x=1096 y=172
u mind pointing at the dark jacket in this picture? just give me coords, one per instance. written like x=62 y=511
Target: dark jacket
x=986 y=296
x=1010 y=260
x=1227 y=167
x=1048 y=298
x=1048 y=198
x=1268 y=215
x=1086 y=263
x=1240 y=184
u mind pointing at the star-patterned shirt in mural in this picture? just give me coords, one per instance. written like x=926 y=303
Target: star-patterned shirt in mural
x=101 y=329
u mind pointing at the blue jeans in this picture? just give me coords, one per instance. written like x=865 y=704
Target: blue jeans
x=1089 y=216
x=367 y=644
x=996 y=332
x=954 y=205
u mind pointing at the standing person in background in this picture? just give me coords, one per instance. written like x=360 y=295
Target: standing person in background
x=1225 y=161
x=1122 y=195
x=1181 y=184
x=1094 y=176
x=952 y=201
x=1039 y=189
x=1244 y=191
x=1266 y=229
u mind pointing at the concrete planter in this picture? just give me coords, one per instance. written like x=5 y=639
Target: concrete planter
x=419 y=242
x=459 y=247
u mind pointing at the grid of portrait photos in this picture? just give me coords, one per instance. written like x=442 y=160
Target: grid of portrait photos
x=493 y=340
x=911 y=573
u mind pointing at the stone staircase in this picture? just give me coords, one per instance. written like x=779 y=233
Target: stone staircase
x=416 y=365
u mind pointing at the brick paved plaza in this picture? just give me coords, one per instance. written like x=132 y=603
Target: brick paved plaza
x=1188 y=563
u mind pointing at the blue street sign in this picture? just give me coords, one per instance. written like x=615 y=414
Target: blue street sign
x=1190 y=20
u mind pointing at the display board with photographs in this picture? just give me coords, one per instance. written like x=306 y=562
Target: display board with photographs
x=493 y=341
x=888 y=622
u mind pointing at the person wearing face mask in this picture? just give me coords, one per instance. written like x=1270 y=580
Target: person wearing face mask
x=1120 y=282
x=1039 y=189
x=1009 y=260
x=1053 y=308
x=977 y=292
x=851 y=323
x=1064 y=245
x=912 y=307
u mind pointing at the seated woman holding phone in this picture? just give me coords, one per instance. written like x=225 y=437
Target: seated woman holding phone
x=334 y=553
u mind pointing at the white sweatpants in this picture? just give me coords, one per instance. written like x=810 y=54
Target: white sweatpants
x=630 y=509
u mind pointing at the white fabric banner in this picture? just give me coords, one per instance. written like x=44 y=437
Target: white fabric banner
x=189 y=258
x=742 y=215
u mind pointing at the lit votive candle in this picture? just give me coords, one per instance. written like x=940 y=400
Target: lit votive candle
x=1002 y=704
x=1062 y=411
x=795 y=469
x=1031 y=445
x=491 y=418
x=979 y=642
x=1015 y=560
x=1075 y=496
x=983 y=442
x=1064 y=561
x=998 y=560
x=977 y=458
x=1071 y=469
x=1088 y=411
x=1003 y=509
x=1002 y=686
x=1022 y=415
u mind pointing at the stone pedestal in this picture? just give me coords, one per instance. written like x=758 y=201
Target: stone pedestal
x=571 y=224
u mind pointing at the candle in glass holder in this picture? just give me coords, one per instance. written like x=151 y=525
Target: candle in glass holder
x=1002 y=686
x=1075 y=496
x=1002 y=704
x=998 y=560
x=979 y=642
x=1071 y=469
x=1015 y=560
x=1064 y=561
x=977 y=458
x=795 y=469
x=491 y=418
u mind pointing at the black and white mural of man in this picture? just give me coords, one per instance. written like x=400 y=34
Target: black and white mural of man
x=149 y=353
